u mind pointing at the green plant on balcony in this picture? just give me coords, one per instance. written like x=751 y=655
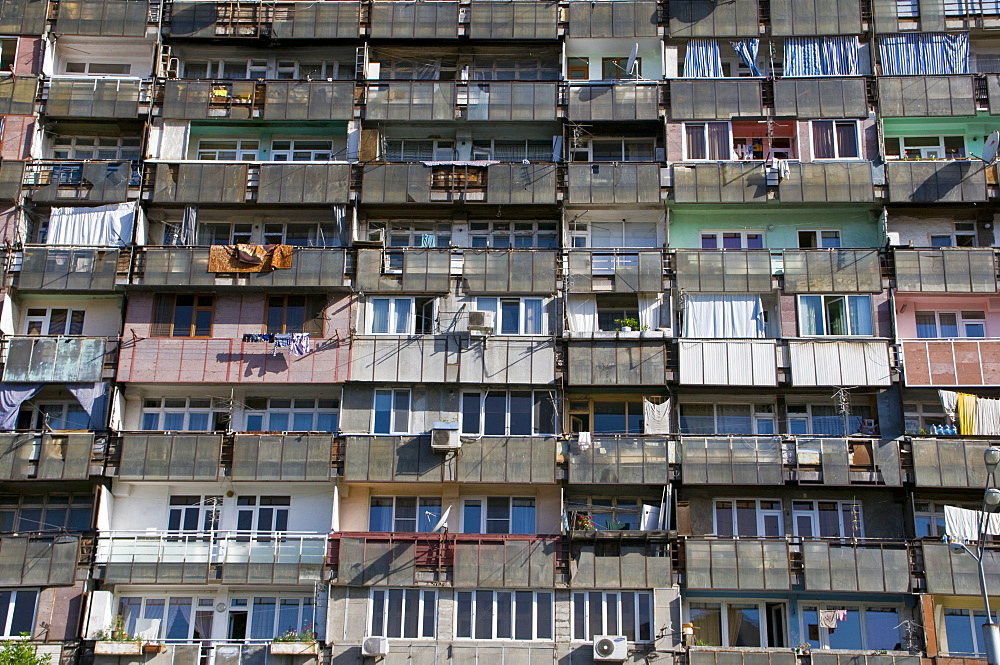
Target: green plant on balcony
x=629 y=324
x=116 y=633
x=305 y=635
x=22 y=652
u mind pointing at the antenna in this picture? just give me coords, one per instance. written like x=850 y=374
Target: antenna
x=443 y=521
x=990 y=148
x=632 y=58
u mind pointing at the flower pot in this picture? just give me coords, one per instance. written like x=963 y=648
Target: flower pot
x=118 y=648
x=153 y=647
x=294 y=648
x=626 y=328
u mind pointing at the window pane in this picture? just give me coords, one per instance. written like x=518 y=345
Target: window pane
x=383 y=411
x=533 y=317
x=472 y=516
x=880 y=627
x=464 y=623
x=484 y=615
x=380 y=315
x=401 y=411
x=958 y=628
x=811 y=315
x=949 y=324
x=861 y=315
x=744 y=625
x=543 y=614
x=822 y=132
x=707 y=620
x=401 y=319
x=510 y=313
x=926 y=325
x=847 y=140
x=471 y=403
x=836 y=315
x=695 y=136
x=520 y=413
x=495 y=415
x=380 y=514
x=609 y=418
x=522 y=516
x=847 y=634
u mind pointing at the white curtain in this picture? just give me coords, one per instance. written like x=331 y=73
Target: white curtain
x=649 y=310
x=104 y=226
x=720 y=316
x=581 y=313
x=656 y=417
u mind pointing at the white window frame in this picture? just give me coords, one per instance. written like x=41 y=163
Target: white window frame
x=88 y=65
x=394 y=426
x=44 y=416
x=417 y=150
x=918 y=414
x=46 y=320
x=586 y=150
x=642 y=609
x=207 y=510
x=481 y=398
x=427 y=602
x=495 y=305
x=973 y=617
x=273 y=68
x=762 y=515
x=758 y=416
x=808 y=418
x=521 y=234
x=294 y=153
x=936 y=152
x=812 y=514
x=704 y=137
x=836 y=144
x=253 y=505
x=484 y=520
x=15 y=595
x=961 y=321
x=826 y=314
x=423 y=512
x=724 y=606
x=97 y=147
x=472 y=596
x=819 y=239
x=247 y=604
x=187 y=410
x=824 y=633
x=743 y=234
x=533 y=150
x=241 y=150
x=393 y=304
x=296 y=407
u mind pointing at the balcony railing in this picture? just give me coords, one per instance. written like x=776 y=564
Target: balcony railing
x=169 y=456
x=617 y=101
x=743 y=271
x=926 y=96
x=735 y=460
x=105 y=18
x=220 y=182
x=840 y=362
x=951 y=572
x=627 y=270
x=61 y=269
x=52 y=181
x=715 y=99
x=271 y=100
x=720 y=182
x=948 y=462
x=282 y=457
x=503 y=271
x=621 y=460
x=621 y=18
x=232 y=652
x=951 y=362
x=619 y=559
x=268 y=20
x=740 y=362
x=35 y=359
x=826 y=97
x=93 y=97
x=509 y=101
x=17 y=94
x=947 y=270
x=188 y=557
x=936 y=181
x=46 y=456
x=523 y=20
x=613 y=359
x=23 y=17
x=38 y=560
x=496 y=183
x=614 y=183
x=869 y=567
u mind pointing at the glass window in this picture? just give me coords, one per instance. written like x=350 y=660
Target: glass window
x=403 y=613
x=504 y=615
x=945 y=325
x=514 y=413
x=708 y=141
x=836 y=315
x=407 y=514
x=391 y=414
x=262 y=514
x=391 y=316
x=499 y=514
x=835 y=139
x=827 y=519
x=628 y=613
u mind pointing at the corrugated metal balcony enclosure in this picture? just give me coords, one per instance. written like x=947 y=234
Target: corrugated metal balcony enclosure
x=496 y=183
x=46 y=456
x=622 y=460
x=271 y=100
x=936 y=181
x=948 y=462
x=614 y=270
x=105 y=18
x=275 y=20
x=89 y=97
x=264 y=183
x=483 y=459
x=734 y=362
x=60 y=269
x=951 y=362
x=460 y=560
x=946 y=270
x=514 y=20
x=57 y=359
x=38 y=560
x=840 y=362
x=233 y=557
x=613 y=183
x=619 y=559
x=619 y=18
x=177 y=267
x=68 y=182
x=950 y=572
x=616 y=101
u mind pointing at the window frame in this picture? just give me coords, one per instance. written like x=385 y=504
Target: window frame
x=7 y=631
x=241 y=149
x=485 y=519
x=813 y=514
x=317 y=411
x=69 y=146
x=312 y=314
x=862 y=608
x=642 y=602
x=725 y=604
x=427 y=601
x=420 y=507
x=761 y=515
x=848 y=297
x=818 y=238
x=793 y=414
x=975 y=618
x=46 y=321
x=392 y=314
x=206 y=512
x=165 y=323
x=38 y=512
x=481 y=396
x=541 y=234
x=757 y=417
x=719 y=237
x=495 y=304
x=834 y=123
x=686 y=152
x=616 y=65
x=394 y=410
x=210 y=411
x=473 y=600
x=962 y=322
x=311 y=154
x=901 y=148
x=265 y=512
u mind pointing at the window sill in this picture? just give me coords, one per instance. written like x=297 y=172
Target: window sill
x=615 y=334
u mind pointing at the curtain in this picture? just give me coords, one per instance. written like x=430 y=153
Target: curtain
x=649 y=310
x=188 y=225
x=656 y=417
x=966 y=414
x=924 y=53
x=380 y=315
x=702 y=59
x=532 y=316
x=722 y=316
x=12 y=396
x=747 y=50
x=428 y=240
x=92 y=397
x=581 y=313
x=821 y=56
x=104 y=226
x=823 y=147
x=719 y=145
x=695 y=140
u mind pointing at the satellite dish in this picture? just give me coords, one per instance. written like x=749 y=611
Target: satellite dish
x=630 y=65
x=444 y=520
x=990 y=147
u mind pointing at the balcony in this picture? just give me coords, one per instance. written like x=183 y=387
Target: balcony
x=833 y=182
x=412 y=100
x=832 y=271
x=951 y=362
x=840 y=363
x=226 y=360
x=38 y=560
x=282 y=457
x=827 y=97
x=404 y=270
x=790 y=18
x=501 y=102
x=627 y=359
x=743 y=564
x=619 y=560
x=496 y=184
x=623 y=270
x=273 y=100
x=785 y=656
x=66 y=182
x=622 y=460
x=948 y=462
x=730 y=271
x=464 y=560
x=11 y=177
x=936 y=182
x=165 y=456
x=698 y=18
x=48 y=456
x=926 y=96
x=90 y=97
x=504 y=271
x=453 y=358
x=267 y=183
x=951 y=270
x=229 y=557
x=867 y=567
x=715 y=99
x=617 y=101
x=720 y=182
x=61 y=269
x=23 y=17
x=722 y=460
x=179 y=267
x=105 y=18
x=954 y=573
x=270 y=20
x=621 y=18
x=17 y=95
x=34 y=359
x=524 y=20
x=743 y=362
x=432 y=20
x=614 y=183
x=483 y=459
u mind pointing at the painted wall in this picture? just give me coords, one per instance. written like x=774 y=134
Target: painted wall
x=780 y=225
x=16 y=137
x=102 y=318
x=972 y=128
x=336 y=132
x=908 y=305
x=650 y=54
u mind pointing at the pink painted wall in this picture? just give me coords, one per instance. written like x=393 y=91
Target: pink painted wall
x=29 y=55
x=9 y=220
x=15 y=141
x=907 y=306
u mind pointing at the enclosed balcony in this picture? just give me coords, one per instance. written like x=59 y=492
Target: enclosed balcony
x=46 y=456
x=496 y=183
x=622 y=460
x=23 y=17
x=619 y=359
x=226 y=360
x=503 y=101
x=948 y=462
x=38 y=560
x=613 y=183
x=926 y=96
x=791 y=18
x=271 y=100
x=726 y=182
x=230 y=557
x=61 y=269
x=282 y=457
x=623 y=270
x=741 y=271
x=619 y=559
x=273 y=20
x=827 y=97
x=17 y=95
x=866 y=566
x=412 y=100
x=105 y=18
x=715 y=99
x=949 y=270
x=725 y=460
x=936 y=181
x=952 y=572
x=168 y=456
x=621 y=18
x=91 y=97
x=523 y=20
x=832 y=271
x=951 y=362
x=433 y=20
x=743 y=564
x=66 y=182
x=34 y=359
x=182 y=267
x=483 y=459
x=617 y=101
x=722 y=362
x=698 y=18
x=822 y=182
x=463 y=560
x=840 y=363
x=504 y=271
x=268 y=183
x=403 y=270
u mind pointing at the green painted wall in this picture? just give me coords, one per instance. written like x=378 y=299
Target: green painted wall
x=859 y=227
x=265 y=133
x=972 y=128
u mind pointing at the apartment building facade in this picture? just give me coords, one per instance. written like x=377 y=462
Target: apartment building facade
x=482 y=331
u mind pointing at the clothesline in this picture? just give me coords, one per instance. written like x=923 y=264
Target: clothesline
x=298 y=344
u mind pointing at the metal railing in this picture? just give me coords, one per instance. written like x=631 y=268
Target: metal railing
x=217 y=547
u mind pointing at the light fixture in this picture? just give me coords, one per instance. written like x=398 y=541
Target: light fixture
x=991 y=456
x=221 y=607
x=992 y=500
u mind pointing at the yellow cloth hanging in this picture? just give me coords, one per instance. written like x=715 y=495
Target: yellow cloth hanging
x=966 y=414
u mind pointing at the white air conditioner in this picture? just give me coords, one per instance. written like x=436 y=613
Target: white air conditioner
x=375 y=646
x=480 y=322
x=444 y=436
x=610 y=648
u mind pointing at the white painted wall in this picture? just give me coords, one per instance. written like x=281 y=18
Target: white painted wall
x=102 y=318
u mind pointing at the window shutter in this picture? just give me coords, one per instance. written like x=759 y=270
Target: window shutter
x=163 y=316
x=315 y=315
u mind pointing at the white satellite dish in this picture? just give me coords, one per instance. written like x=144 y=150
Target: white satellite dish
x=990 y=147
x=632 y=57
x=444 y=520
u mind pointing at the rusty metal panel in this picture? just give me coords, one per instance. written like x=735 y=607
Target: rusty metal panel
x=732 y=182
x=715 y=99
x=614 y=183
x=64 y=269
x=106 y=18
x=309 y=100
x=396 y=183
x=835 y=182
x=304 y=183
x=417 y=20
x=708 y=18
x=956 y=270
x=170 y=456
x=791 y=18
x=621 y=18
x=620 y=101
x=318 y=20
x=830 y=97
x=514 y=20
x=193 y=19
x=521 y=183
x=200 y=183
x=94 y=98
x=923 y=96
x=724 y=271
x=186 y=99
x=411 y=100
x=285 y=457
x=832 y=271
x=511 y=101
x=931 y=182
x=17 y=95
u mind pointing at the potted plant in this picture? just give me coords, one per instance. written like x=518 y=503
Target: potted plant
x=629 y=324
x=295 y=643
x=116 y=641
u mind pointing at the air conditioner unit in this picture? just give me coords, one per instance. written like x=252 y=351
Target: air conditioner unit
x=480 y=322
x=613 y=648
x=375 y=646
x=444 y=436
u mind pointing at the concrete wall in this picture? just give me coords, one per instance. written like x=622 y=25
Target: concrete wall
x=102 y=318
